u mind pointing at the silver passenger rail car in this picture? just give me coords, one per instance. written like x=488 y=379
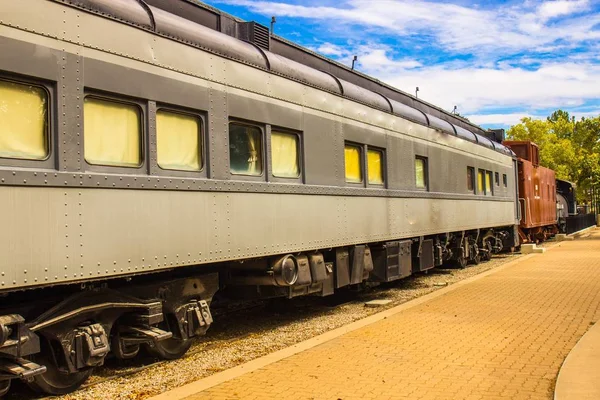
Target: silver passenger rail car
x=147 y=161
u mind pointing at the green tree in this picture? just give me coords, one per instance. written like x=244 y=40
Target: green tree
x=569 y=147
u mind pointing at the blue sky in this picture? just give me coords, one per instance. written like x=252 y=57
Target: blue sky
x=496 y=61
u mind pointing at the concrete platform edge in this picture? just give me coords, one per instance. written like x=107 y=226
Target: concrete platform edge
x=578 y=375
x=232 y=373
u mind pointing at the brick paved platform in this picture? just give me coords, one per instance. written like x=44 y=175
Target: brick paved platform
x=504 y=335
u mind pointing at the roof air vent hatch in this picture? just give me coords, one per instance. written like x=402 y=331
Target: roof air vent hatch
x=254 y=33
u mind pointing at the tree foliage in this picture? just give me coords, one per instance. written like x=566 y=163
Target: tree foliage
x=569 y=147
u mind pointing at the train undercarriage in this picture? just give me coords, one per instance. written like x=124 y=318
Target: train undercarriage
x=54 y=344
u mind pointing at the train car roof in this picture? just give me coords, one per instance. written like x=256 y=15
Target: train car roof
x=205 y=27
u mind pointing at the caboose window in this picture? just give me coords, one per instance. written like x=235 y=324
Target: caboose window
x=488 y=183
x=178 y=141
x=421 y=178
x=481 y=181
x=245 y=149
x=112 y=132
x=471 y=179
x=23 y=121
x=375 y=166
x=285 y=149
x=353 y=163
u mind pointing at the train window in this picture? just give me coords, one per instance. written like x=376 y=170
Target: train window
x=471 y=179
x=497 y=178
x=488 y=183
x=504 y=180
x=245 y=149
x=481 y=181
x=285 y=154
x=178 y=141
x=23 y=121
x=421 y=178
x=113 y=132
x=375 y=166
x=353 y=162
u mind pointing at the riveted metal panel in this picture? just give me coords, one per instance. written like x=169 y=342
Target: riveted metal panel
x=408 y=112
x=113 y=36
x=42 y=21
x=320 y=150
x=358 y=133
x=302 y=72
x=70 y=114
x=286 y=89
x=365 y=96
x=124 y=10
x=176 y=27
x=183 y=58
x=33 y=233
x=174 y=88
x=440 y=124
x=218 y=138
x=465 y=134
x=260 y=109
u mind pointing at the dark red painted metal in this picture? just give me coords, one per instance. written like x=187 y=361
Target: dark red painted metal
x=537 y=190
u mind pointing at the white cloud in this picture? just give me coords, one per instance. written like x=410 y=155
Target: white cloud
x=455 y=27
x=476 y=89
x=552 y=9
x=330 y=49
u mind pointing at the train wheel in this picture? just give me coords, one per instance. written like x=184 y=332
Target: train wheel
x=170 y=349
x=54 y=381
x=477 y=259
x=173 y=348
x=4 y=386
x=461 y=262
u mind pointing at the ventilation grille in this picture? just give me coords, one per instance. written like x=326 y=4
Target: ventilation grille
x=254 y=33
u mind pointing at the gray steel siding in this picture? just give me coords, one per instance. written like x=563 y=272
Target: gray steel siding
x=55 y=235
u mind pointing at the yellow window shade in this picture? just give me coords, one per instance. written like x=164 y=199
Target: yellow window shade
x=488 y=183
x=23 y=121
x=245 y=149
x=112 y=133
x=420 y=173
x=353 y=164
x=375 y=166
x=480 y=182
x=284 y=153
x=178 y=144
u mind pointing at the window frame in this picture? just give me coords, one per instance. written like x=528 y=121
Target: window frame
x=491 y=188
x=505 y=180
x=497 y=178
x=426 y=172
x=363 y=168
x=160 y=171
x=50 y=91
x=473 y=180
x=300 y=136
x=263 y=129
x=383 y=167
x=484 y=192
x=116 y=98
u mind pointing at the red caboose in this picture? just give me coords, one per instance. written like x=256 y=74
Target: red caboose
x=537 y=193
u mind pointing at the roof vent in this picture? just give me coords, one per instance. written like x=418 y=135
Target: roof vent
x=254 y=33
x=497 y=135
